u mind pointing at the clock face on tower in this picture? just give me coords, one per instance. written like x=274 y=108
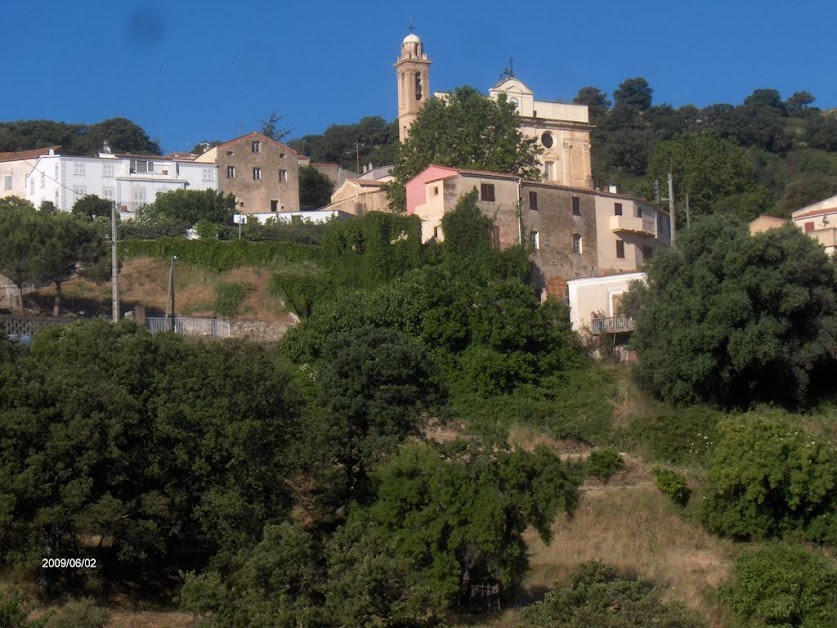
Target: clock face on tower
x=515 y=102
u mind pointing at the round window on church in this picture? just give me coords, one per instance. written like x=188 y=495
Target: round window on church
x=546 y=139
x=515 y=102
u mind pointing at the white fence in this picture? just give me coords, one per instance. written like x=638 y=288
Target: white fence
x=189 y=326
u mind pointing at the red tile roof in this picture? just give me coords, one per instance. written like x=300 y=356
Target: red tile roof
x=28 y=154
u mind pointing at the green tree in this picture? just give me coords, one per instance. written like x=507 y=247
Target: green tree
x=187 y=207
x=146 y=442
x=805 y=191
x=712 y=171
x=314 y=188
x=372 y=140
x=465 y=130
x=457 y=514
x=596 y=101
x=782 y=586
x=91 y=206
x=65 y=246
x=374 y=385
x=271 y=128
x=18 y=241
x=122 y=136
x=767 y=477
x=733 y=319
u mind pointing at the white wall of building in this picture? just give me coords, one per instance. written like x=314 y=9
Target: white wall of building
x=128 y=181
x=597 y=296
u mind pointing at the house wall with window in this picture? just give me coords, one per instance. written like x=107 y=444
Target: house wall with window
x=630 y=231
x=15 y=166
x=564 y=223
x=261 y=173
x=819 y=221
x=127 y=180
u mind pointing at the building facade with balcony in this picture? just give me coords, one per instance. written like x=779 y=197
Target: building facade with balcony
x=130 y=181
x=629 y=232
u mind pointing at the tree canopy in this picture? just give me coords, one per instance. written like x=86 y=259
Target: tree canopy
x=188 y=207
x=465 y=129
x=77 y=139
x=736 y=319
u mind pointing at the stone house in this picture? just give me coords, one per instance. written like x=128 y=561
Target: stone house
x=260 y=172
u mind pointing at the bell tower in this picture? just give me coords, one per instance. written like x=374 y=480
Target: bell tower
x=412 y=70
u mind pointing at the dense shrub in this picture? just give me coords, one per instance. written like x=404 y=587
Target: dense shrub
x=604 y=463
x=768 y=477
x=599 y=596
x=733 y=319
x=673 y=436
x=775 y=585
x=219 y=255
x=672 y=485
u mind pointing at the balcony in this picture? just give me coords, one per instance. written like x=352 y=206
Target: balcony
x=612 y=325
x=633 y=224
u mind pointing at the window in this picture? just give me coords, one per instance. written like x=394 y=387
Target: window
x=647 y=253
x=487 y=192
x=617 y=209
x=31 y=185
x=79 y=190
x=638 y=211
x=7 y=182
x=620 y=249
x=546 y=139
x=256 y=147
x=142 y=166
x=257 y=174
x=206 y=175
x=533 y=200
x=43 y=179
x=547 y=169
x=230 y=153
x=107 y=194
x=274 y=206
x=535 y=240
x=576 y=206
x=281 y=155
x=139 y=199
x=809 y=227
x=435 y=190
x=283 y=176
x=231 y=172
x=78 y=169
x=577 y=243
x=107 y=171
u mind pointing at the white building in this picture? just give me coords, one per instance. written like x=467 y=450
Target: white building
x=128 y=180
x=15 y=166
x=819 y=221
x=595 y=303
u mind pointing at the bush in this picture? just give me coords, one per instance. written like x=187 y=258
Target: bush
x=12 y=611
x=674 y=437
x=770 y=478
x=604 y=463
x=673 y=485
x=782 y=586
x=81 y=613
x=599 y=596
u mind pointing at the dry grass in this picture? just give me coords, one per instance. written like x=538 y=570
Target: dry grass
x=634 y=528
x=150 y=619
x=145 y=280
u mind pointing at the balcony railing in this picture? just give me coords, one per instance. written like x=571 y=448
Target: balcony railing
x=612 y=325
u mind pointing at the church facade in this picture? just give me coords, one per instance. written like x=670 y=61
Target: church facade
x=562 y=131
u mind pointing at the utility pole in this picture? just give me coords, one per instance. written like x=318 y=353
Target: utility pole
x=114 y=264
x=671 y=206
x=170 y=296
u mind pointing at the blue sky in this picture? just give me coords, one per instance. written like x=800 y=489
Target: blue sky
x=190 y=70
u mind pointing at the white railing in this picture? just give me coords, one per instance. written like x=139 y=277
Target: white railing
x=612 y=325
x=189 y=326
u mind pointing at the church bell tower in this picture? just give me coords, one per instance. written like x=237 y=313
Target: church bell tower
x=412 y=70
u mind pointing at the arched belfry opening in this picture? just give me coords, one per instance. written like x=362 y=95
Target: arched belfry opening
x=412 y=69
